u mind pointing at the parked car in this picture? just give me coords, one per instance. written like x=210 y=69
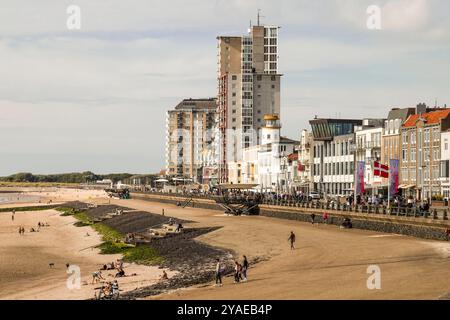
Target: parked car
x=313 y=195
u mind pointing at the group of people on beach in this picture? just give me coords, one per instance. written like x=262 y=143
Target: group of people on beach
x=109 y=290
x=118 y=265
x=240 y=271
x=32 y=229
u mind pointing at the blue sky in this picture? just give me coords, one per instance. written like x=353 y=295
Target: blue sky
x=95 y=99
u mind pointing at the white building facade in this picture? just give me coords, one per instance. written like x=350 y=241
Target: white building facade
x=368 y=150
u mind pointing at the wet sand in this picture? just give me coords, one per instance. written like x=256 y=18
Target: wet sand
x=329 y=263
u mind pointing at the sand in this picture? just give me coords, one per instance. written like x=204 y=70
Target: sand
x=329 y=263
x=24 y=262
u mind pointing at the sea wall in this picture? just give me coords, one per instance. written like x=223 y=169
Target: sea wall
x=173 y=199
x=415 y=227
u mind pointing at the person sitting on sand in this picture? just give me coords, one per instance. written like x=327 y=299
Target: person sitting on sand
x=115 y=289
x=171 y=222
x=120 y=274
x=107 y=289
x=447 y=233
x=164 y=276
x=179 y=227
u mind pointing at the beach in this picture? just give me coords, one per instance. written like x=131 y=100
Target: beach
x=25 y=262
x=328 y=263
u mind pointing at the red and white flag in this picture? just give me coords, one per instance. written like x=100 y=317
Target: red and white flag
x=380 y=170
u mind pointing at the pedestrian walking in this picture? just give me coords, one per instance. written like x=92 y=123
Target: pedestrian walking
x=325 y=218
x=237 y=272
x=244 y=268
x=313 y=217
x=218 y=273
x=13 y=214
x=291 y=239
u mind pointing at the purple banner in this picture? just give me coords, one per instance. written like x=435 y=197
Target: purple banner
x=359 y=177
x=393 y=176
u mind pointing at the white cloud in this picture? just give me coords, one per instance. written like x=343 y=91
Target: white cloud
x=104 y=91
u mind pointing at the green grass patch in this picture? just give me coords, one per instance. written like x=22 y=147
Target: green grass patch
x=30 y=208
x=37 y=184
x=113 y=243
x=142 y=255
x=83 y=217
x=108 y=234
x=114 y=247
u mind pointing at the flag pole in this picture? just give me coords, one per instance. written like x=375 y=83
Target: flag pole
x=389 y=188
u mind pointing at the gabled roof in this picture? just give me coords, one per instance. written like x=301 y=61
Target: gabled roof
x=288 y=141
x=192 y=104
x=434 y=117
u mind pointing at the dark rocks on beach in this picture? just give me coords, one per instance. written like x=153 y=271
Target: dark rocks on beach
x=76 y=205
x=138 y=221
x=101 y=211
x=195 y=261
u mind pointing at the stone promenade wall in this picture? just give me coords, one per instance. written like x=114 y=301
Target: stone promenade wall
x=426 y=228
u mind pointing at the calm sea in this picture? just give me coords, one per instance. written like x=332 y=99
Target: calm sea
x=16 y=198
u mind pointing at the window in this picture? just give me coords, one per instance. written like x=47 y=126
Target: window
x=405 y=154
x=405 y=137
x=273 y=78
x=413 y=137
x=413 y=155
x=234 y=111
x=233 y=77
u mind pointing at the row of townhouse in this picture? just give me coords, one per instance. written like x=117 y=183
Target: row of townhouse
x=418 y=137
x=324 y=158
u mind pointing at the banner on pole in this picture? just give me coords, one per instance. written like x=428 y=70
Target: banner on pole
x=359 y=181
x=393 y=176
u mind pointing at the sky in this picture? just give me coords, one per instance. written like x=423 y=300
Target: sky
x=95 y=98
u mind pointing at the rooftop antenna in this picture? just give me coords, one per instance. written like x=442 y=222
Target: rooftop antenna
x=259 y=16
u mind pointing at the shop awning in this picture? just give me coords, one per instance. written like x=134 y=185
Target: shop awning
x=228 y=186
x=406 y=186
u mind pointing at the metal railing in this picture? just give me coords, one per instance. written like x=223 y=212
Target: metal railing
x=405 y=211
